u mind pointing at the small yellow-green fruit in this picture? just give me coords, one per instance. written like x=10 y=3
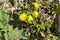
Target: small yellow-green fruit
x=30 y=19
x=36 y=5
x=35 y=15
x=22 y=17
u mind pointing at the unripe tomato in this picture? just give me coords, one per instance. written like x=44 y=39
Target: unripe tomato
x=30 y=19
x=36 y=5
x=22 y=17
x=35 y=14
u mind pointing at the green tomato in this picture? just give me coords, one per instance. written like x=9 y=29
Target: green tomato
x=36 y=5
x=35 y=14
x=30 y=19
x=22 y=17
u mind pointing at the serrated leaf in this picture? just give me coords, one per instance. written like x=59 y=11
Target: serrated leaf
x=3 y=15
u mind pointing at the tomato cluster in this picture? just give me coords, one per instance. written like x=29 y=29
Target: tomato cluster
x=30 y=18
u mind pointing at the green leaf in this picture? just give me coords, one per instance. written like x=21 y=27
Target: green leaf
x=1 y=12
x=0 y=34
x=11 y=32
x=42 y=26
x=3 y=15
x=9 y=27
x=12 y=35
x=20 y=33
x=39 y=27
x=6 y=36
x=6 y=17
x=1 y=25
x=54 y=38
x=57 y=8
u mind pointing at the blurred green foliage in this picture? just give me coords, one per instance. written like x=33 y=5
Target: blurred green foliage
x=7 y=28
x=39 y=30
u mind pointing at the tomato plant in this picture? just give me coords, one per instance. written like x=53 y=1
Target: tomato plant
x=28 y=19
